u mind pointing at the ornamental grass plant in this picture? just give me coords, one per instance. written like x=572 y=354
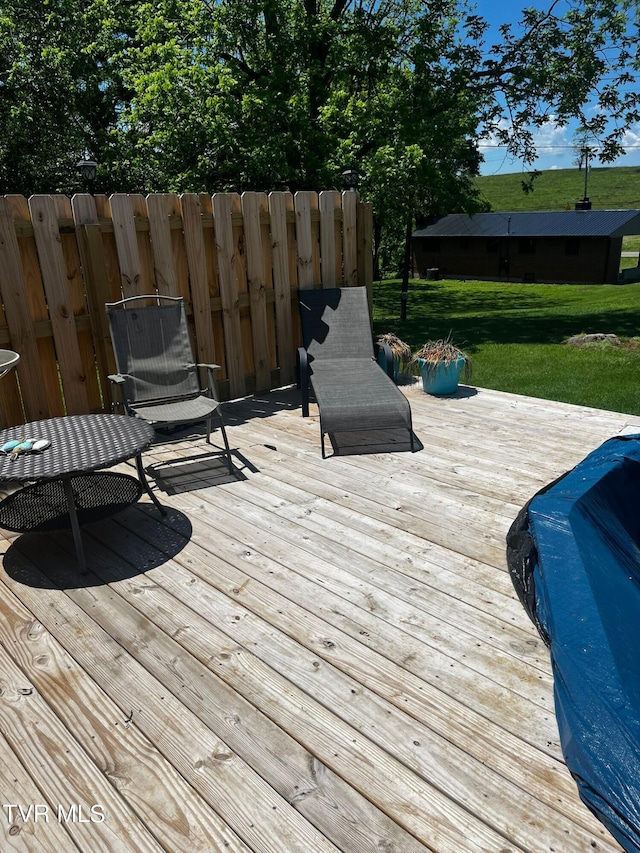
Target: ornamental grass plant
x=399 y=349
x=442 y=351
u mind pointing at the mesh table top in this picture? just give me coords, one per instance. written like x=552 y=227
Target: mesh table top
x=79 y=443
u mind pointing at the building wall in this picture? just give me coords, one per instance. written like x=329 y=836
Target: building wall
x=584 y=259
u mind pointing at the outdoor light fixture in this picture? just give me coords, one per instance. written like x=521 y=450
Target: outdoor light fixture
x=87 y=169
x=350 y=179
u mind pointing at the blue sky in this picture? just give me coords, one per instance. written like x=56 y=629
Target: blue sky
x=554 y=143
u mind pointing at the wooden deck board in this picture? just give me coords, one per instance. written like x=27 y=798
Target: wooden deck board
x=308 y=656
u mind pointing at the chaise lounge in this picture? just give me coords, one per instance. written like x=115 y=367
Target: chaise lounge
x=351 y=389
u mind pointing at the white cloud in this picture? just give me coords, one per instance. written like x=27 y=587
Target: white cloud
x=551 y=136
x=553 y=144
x=631 y=137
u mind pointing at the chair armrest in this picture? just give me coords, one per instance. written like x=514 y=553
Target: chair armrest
x=388 y=357
x=212 y=387
x=118 y=400
x=302 y=379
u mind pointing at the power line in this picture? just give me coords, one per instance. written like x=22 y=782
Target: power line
x=554 y=147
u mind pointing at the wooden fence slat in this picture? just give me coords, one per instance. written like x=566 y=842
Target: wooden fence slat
x=240 y=268
x=194 y=241
x=365 y=249
x=279 y=204
x=76 y=285
x=124 y=229
x=267 y=264
x=112 y=270
x=304 y=201
x=315 y=238
x=350 y=238
x=94 y=264
x=222 y=209
x=38 y=308
x=54 y=279
x=158 y=206
x=141 y=215
x=178 y=246
x=329 y=201
x=211 y=261
x=252 y=205
x=21 y=329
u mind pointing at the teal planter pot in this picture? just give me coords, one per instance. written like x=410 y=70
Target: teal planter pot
x=383 y=365
x=441 y=378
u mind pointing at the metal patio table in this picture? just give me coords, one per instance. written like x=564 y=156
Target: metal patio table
x=63 y=486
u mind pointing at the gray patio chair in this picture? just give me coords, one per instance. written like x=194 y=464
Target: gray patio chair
x=157 y=376
x=352 y=391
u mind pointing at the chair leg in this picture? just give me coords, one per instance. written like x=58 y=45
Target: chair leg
x=302 y=379
x=324 y=456
x=209 y=430
x=226 y=442
x=145 y=485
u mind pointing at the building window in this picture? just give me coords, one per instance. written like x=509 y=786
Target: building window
x=432 y=244
x=526 y=246
x=464 y=244
x=572 y=246
x=493 y=244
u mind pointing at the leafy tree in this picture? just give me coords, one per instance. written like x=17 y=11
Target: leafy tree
x=59 y=88
x=192 y=95
x=269 y=93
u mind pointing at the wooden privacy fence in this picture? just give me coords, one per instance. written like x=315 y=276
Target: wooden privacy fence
x=238 y=260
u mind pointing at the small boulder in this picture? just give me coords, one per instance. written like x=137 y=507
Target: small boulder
x=594 y=338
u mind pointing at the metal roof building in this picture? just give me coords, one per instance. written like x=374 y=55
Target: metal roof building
x=554 y=223
x=563 y=245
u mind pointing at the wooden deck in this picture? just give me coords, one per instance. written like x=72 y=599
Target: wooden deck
x=311 y=656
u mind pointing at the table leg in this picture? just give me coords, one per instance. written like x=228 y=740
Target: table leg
x=145 y=485
x=73 y=518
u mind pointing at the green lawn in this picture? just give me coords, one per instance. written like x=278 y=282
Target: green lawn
x=515 y=333
x=608 y=188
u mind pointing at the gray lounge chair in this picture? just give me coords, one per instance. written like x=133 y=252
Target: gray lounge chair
x=352 y=391
x=157 y=376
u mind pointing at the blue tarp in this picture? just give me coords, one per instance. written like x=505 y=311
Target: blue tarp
x=579 y=577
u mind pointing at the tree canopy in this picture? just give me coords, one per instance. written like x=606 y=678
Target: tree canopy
x=210 y=95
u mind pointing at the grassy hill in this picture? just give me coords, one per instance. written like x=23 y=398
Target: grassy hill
x=612 y=188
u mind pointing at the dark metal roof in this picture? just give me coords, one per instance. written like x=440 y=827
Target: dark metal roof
x=555 y=223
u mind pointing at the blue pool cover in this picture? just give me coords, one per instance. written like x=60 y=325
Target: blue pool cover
x=574 y=558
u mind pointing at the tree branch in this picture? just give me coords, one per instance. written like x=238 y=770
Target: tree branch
x=338 y=9
x=251 y=73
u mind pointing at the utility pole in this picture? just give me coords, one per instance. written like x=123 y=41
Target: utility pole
x=584 y=203
x=586 y=151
